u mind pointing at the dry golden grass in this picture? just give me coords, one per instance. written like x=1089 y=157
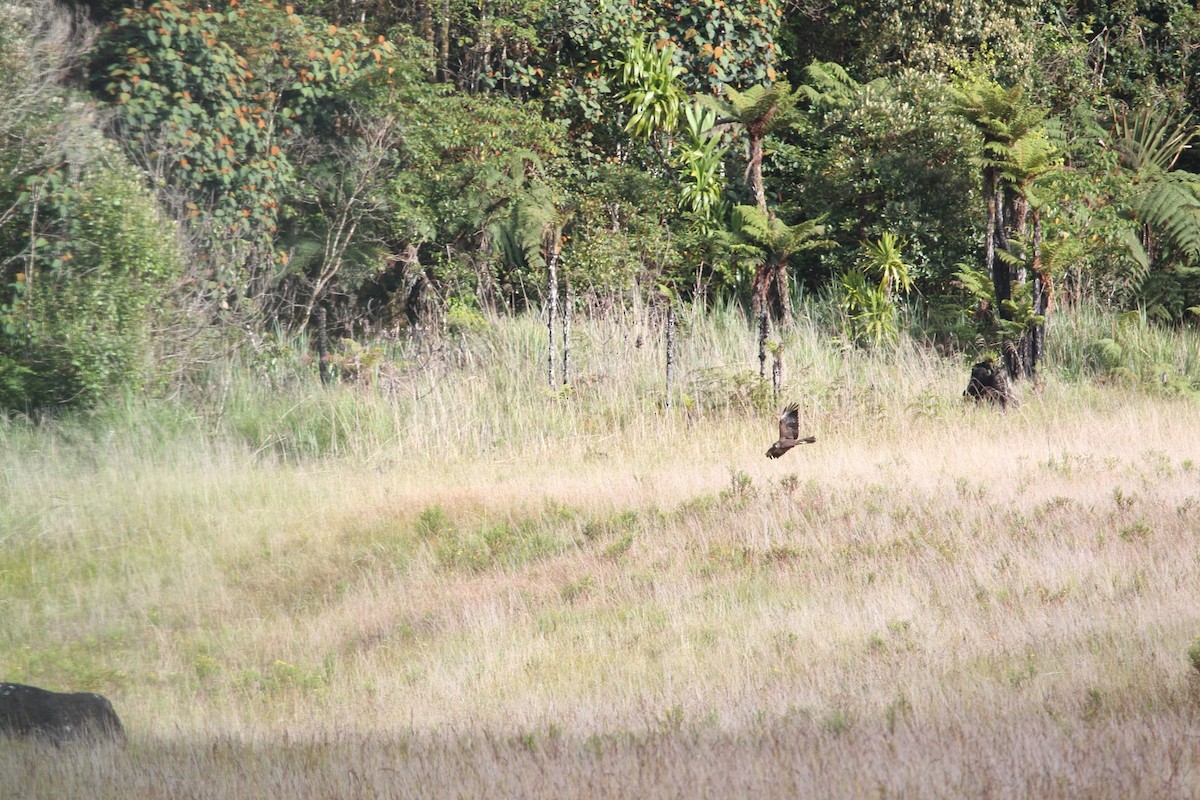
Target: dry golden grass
x=932 y=601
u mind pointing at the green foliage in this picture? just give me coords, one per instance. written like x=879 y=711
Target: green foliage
x=80 y=318
x=870 y=309
x=1146 y=45
x=881 y=156
x=728 y=44
x=773 y=235
x=996 y=323
x=760 y=109
x=889 y=37
x=463 y=164
x=219 y=106
x=883 y=257
x=1023 y=162
x=495 y=544
x=532 y=231
x=1001 y=114
x=653 y=92
x=700 y=163
x=1149 y=144
x=431 y=169
x=623 y=235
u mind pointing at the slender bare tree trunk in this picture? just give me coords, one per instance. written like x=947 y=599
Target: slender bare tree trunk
x=444 y=42
x=566 y=332
x=426 y=28
x=762 y=344
x=322 y=345
x=670 y=350
x=485 y=48
x=551 y=310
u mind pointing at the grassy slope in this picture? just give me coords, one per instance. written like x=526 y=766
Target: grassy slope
x=479 y=585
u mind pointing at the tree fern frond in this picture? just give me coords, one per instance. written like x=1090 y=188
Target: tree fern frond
x=828 y=86
x=1172 y=206
x=760 y=105
x=1137 y=253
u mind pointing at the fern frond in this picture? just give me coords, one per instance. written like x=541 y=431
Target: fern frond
x=1172 y=205
x=828 y=86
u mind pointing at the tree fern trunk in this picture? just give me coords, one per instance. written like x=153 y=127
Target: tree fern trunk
x=777 y=372
x=783 y=292
x=754 y=171
x=1001 y=276
x=989 y=242
x=1041 y=297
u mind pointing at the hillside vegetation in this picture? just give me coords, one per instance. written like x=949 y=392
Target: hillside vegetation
x=454 y=584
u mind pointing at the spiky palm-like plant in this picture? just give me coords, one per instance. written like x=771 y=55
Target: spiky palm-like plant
x=653 y=91
x=1166 y=201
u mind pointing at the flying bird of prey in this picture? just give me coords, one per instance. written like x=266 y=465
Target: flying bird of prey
x=789 y=432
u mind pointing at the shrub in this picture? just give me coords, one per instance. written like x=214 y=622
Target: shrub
x=79 y=318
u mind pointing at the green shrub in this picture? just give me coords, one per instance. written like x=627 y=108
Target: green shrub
x=80 y=316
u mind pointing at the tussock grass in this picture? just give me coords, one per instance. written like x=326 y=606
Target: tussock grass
x=462 y=583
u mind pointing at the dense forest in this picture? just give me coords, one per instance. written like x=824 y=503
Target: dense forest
x=182 y=178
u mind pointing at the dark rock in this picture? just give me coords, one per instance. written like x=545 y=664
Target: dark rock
x=27 y=711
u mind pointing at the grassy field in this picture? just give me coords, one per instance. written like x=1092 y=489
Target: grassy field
x=455 y=583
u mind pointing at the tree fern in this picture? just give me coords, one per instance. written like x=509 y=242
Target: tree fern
x=828 y=85
x=1170 y=204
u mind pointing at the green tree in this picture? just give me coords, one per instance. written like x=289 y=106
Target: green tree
x=758 y=111
x=1006 y=120
x=217 y=99
x=770 y=242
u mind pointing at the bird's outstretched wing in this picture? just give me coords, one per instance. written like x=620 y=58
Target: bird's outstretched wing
x=789 y=423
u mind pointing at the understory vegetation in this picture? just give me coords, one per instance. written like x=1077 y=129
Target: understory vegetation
x=181 y=182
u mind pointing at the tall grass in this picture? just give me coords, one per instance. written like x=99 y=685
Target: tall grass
x=457 y=581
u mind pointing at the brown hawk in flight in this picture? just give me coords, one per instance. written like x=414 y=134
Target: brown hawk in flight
x=789 y=432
